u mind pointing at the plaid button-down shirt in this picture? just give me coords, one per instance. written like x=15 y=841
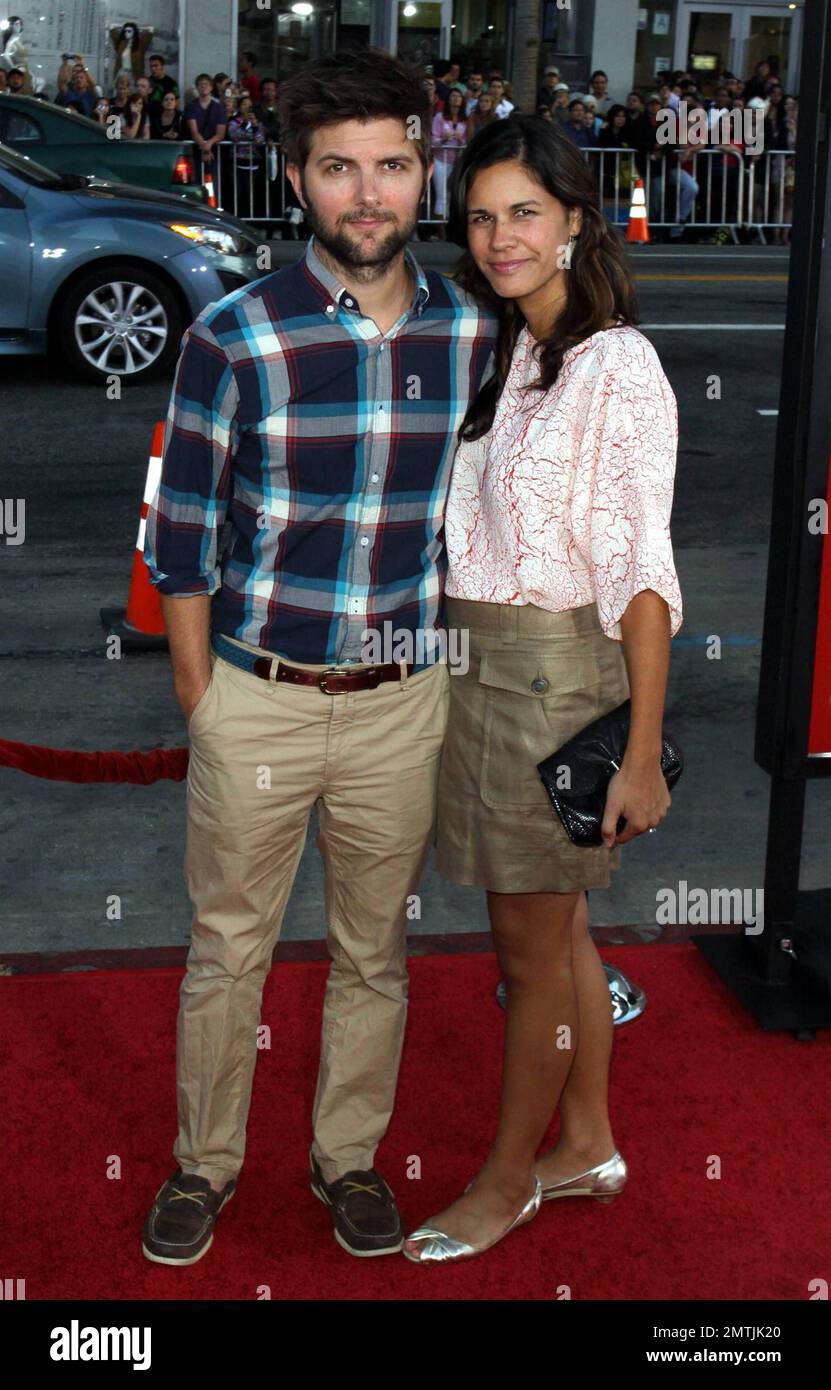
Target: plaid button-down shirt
x=307 y=459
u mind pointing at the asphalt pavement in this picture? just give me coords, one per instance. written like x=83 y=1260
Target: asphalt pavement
x=79 y=460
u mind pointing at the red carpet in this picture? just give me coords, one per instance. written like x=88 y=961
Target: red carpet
x=88 y=1072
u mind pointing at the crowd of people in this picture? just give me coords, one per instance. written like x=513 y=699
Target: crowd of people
x=219 y=109
x=596 y=121
x=241 y=115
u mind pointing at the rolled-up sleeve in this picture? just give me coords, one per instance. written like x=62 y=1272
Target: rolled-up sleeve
x=186 y=515
x=624 y=486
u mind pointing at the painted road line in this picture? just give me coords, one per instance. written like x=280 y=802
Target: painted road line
x=716 y=327
x=723 y=256
x=725 y=641
x=767 y=412
x=719 y=279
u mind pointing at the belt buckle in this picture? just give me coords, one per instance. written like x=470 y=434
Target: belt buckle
x=332 y=671
x=346 y=671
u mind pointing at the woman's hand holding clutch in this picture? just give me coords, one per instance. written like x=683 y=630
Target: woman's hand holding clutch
x=638 y=794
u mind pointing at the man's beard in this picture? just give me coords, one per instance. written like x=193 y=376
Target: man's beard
x=366 y=263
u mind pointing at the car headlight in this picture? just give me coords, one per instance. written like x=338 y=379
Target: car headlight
x=227 y=243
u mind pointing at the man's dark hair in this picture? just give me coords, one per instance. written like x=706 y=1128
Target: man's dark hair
x=203 y=77
x=156 y=58
x=598 y=72
x=250 y=58
x=351 y=85
x=264 y=81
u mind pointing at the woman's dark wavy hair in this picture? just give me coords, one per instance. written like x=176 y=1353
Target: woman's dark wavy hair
x=599 y=284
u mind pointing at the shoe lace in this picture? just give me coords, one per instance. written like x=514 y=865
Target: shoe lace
x=179 y=1195
x=372 y=1188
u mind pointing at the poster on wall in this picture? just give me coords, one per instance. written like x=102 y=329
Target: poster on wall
x=37 y=36
x=136 y=31
x=108 y=36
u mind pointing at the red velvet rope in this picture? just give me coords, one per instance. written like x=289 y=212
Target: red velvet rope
x=68 y=765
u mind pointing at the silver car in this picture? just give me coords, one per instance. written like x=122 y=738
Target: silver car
x=108 y=274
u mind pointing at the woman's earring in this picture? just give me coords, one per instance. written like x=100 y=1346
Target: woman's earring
x=568 y=252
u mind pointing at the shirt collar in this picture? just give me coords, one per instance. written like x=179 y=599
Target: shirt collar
x=336 y=292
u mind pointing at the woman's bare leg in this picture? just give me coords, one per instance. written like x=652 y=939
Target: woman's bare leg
x=585 y=1132
x=533 y=938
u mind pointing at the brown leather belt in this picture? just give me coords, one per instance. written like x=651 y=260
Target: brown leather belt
x=335 y=680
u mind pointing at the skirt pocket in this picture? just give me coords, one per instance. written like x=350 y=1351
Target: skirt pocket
x=533 y=701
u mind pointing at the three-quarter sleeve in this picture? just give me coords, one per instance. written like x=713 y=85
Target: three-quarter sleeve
x=191 y=502
x=622 y=498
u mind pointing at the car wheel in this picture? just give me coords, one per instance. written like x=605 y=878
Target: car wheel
x=123 y=321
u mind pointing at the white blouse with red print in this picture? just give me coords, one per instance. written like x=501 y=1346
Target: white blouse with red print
x=567 y=500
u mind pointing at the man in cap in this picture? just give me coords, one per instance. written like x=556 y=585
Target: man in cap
x=545 y=95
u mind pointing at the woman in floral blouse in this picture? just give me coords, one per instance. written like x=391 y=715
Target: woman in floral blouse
x=561 y=574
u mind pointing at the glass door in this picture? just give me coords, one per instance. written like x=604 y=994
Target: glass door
x=768 y=35
x=419 y=31
x=710 y=46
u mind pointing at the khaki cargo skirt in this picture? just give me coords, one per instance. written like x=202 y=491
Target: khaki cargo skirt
x=534 y=680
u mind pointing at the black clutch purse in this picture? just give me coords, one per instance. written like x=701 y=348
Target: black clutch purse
x=592 y=758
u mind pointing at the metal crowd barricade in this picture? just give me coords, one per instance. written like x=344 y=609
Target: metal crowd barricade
x=713 y=189
x=253 y=186
x=770 y=185
x=263 y=195
x=434 y=210
x=721 y=188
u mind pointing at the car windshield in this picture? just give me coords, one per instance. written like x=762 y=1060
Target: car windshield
x=25 y=167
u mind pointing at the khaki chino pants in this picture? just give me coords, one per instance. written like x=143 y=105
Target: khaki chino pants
x=261 y=755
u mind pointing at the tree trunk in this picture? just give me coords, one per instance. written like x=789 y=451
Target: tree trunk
x=524 y=74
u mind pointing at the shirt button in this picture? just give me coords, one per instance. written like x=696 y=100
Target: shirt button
x=330 y=308
x=539 y=685
x=381 y=348
x=374 y=478
x=364 y=540
x=350 y=303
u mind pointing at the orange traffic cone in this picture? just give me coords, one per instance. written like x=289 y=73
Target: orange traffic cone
x=208 y=180
x=638 y=226
x=142 y=627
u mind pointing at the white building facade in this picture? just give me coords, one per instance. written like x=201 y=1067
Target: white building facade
x=634 y=41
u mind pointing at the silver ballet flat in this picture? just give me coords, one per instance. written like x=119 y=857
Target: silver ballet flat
x=439 y=1247
x=604 y=1182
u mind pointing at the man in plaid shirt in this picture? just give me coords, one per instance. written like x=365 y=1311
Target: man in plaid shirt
x=307 y=456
